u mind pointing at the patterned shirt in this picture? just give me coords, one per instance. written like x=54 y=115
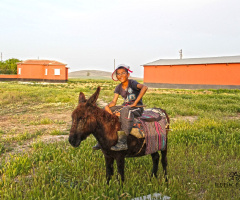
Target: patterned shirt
x=129 y=94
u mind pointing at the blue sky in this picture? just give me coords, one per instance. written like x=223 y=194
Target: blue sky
x=87 y=34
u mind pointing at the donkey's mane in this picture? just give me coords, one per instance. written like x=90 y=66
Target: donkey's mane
x=105 y=117
x=104 y=114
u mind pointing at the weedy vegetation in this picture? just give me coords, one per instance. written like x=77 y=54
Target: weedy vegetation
x=203 y=146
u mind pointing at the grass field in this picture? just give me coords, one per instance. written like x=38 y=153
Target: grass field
x=37 y=162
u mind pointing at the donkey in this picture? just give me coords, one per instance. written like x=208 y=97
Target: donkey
x=88 y=119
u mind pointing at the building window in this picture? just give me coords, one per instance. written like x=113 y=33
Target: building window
x=56 y=71
x=19 y=71
x=45 y=71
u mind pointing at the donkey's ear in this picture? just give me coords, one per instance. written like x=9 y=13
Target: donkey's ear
x=81 y=98
x=94 y=97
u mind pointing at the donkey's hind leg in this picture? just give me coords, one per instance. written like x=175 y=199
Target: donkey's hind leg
x=164 y=163
x=155 y=160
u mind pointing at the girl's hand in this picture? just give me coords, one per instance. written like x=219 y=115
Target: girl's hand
x=117 y=113
x=133 y=105
x=108 y=109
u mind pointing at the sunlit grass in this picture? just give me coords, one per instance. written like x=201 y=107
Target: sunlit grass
x=20 y=137
x=193 y=168
x=42 y=122
x=58 y=132
x=191 y=104
x=45 y=121
x=201 y=152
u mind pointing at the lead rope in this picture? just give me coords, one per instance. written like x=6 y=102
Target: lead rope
x=141 y=147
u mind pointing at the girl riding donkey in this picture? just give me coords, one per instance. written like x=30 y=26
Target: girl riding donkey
x=132 y=92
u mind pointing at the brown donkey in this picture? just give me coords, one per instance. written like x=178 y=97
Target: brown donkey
x=88 y=119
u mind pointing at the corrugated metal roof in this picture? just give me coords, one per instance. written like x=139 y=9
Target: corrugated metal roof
x=197 y=61
x=41 y=62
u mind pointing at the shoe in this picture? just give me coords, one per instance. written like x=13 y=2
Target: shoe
x=122 y=142
x=96 y=147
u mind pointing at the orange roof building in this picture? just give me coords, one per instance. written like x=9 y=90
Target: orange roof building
x=194 y=73
x=39 y=70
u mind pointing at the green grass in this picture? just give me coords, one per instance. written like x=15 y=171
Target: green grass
x=10 y=138
x=2 y=148
x=58 y=132
x=42 y=122
x=201 y=152
x=196 y=102
x=45 y=121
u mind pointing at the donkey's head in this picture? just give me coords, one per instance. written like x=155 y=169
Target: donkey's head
x=83 y=120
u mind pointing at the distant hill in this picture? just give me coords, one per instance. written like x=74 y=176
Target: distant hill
x=93 y=74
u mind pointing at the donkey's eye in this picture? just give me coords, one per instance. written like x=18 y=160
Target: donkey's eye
x=81 y=119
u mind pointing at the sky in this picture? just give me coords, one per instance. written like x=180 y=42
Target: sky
x=91 y=34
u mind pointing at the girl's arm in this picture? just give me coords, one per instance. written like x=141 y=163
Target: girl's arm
x=112 y=103
x=143 y=90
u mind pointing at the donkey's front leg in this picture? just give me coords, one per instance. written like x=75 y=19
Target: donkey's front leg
x=109 y=167
x=120 y=165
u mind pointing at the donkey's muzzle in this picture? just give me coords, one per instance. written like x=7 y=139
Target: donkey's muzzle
x=74 y=141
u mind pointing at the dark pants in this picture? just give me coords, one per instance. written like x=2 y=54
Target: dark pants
x=127 y=115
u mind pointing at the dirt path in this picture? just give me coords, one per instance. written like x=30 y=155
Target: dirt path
x=45 y=123
x=31 y=122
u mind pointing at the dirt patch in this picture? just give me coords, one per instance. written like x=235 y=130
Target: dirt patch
x=13 y=128
x=184 y=118
x=174 y=91
x=234 y=117
x=53 y=138
x=31 y=123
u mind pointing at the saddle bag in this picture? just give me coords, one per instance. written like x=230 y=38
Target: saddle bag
x=149 y=115
x=151 y=126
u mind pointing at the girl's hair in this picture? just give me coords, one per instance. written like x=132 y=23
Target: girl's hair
x=121 y=67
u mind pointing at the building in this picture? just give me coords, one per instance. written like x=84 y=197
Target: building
x=194 y=73
x=39 y=70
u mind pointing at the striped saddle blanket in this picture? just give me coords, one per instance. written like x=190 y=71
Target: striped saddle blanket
x=152 y=125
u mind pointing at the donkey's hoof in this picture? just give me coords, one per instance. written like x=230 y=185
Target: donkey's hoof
x=96 y=147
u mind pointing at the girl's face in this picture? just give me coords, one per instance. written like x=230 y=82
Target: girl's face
x=122 y=75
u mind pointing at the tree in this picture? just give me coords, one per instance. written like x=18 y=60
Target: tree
x=9 y=66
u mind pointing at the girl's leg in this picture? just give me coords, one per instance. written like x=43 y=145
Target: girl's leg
x=127 y=115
